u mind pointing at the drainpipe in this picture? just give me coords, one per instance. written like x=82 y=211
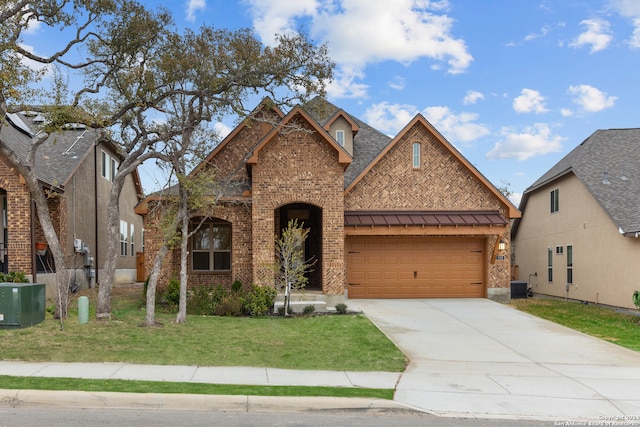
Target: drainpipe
x=34 y=266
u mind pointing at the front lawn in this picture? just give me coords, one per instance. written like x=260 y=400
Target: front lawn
x=331 y=342
x=601 y=322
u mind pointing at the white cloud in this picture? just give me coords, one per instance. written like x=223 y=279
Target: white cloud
x=543 y=32
x=472 y=97
x=629 y=9
x=515 y=198
x=597 y=35
x=222 y=130
x=391 y=118
x=566 y=112
x=398 y=83
x=363 y=32
x=345 y=84
x=530 y=101
x=455 y=127
x=591 y=99
x=531 y=141
x=193 y=6
x=634 y=41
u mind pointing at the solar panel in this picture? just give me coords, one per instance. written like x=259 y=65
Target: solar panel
x=17 y=122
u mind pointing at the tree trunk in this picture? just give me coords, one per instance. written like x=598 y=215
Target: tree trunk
x=184 y=254
x=103 y=308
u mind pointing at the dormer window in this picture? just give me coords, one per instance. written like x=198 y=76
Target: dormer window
x=340 y=137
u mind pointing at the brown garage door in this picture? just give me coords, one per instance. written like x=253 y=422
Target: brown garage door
x=379 y=267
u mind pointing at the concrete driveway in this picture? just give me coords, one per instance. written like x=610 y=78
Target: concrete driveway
x=476 y=357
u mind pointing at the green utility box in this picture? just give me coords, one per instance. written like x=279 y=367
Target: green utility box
x=21 y=304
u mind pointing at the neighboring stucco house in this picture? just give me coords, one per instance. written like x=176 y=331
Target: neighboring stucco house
x=578 y=235
x=402 y=217
x=76 y=166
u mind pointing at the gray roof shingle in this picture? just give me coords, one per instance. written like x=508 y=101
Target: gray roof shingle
x=58 y=157
x=616 y=153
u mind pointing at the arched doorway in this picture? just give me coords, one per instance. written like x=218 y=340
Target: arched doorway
x=310 y=217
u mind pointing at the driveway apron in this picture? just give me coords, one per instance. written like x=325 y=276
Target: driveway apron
x=476 y=357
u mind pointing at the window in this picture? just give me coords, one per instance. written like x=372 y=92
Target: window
x=340 y=137
x=550 y=264
x=123 y=238
x=569 y=264
x=559 y=250
x=106 y=166
x=114 y=169
x=555 y=200
x=132 y=239
x=416 y=155
x=109 y=166
x=211 y=247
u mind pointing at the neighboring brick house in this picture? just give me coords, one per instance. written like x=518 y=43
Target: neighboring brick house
x=403 y=217
x=76 y=167
x=579 y=235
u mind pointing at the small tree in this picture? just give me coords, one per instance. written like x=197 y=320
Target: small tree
x=636 y=299
x=291 y=267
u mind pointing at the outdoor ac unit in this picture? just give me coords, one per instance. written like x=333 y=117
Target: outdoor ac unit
x=21 y=304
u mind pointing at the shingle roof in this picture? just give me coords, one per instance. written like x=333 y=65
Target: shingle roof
x=616 y=153
x=56 y=158
x=367 y=143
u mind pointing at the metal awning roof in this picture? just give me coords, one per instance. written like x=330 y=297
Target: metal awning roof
x=428 y=218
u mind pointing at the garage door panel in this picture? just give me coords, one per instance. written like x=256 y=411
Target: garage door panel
x=388 y=267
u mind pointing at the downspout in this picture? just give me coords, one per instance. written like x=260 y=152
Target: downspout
x=34 y=266
x=95 y=201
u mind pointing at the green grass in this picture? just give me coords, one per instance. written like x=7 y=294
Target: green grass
x=31 y=383
x=336 y=342
x=601 y=322
x=348 y=342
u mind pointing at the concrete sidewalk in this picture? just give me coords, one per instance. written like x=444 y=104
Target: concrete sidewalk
x=195 y=374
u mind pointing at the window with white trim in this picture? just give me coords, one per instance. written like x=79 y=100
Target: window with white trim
x=416 y=155
x=340 y=137
x=132 y=239
x=124 y=229
x=109 y=166
x=211 y=247
x=555 y=200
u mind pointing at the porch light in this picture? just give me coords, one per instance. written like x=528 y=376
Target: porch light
x=502 y=245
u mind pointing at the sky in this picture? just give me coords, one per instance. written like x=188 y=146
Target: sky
x=513 y=85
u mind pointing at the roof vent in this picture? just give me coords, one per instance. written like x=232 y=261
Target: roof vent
x=622 y=175
x=605 y=178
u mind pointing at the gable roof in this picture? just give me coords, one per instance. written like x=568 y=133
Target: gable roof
x=266 y=104
x=367 y=142
x=615 y=152
x=420 y=120
x=343 y=156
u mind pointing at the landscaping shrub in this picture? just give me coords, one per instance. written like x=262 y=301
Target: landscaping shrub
x=341 y=308
x=14 y=277
x=230 y=305
x=309 y=309
x=236 y=286
x=259 y=300
x=172 y=293
x=200 y=301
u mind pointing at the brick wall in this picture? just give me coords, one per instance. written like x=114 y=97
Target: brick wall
x=299 y=166
x=441 y=183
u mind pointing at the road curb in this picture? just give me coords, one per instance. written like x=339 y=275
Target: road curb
x=201 y=402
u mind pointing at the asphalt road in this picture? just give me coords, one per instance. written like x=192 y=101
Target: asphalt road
x=53 y=417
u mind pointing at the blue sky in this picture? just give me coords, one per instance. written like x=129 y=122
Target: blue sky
x=514 y=85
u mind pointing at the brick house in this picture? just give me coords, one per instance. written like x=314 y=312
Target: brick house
x=76 y=167
x=402 y=217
